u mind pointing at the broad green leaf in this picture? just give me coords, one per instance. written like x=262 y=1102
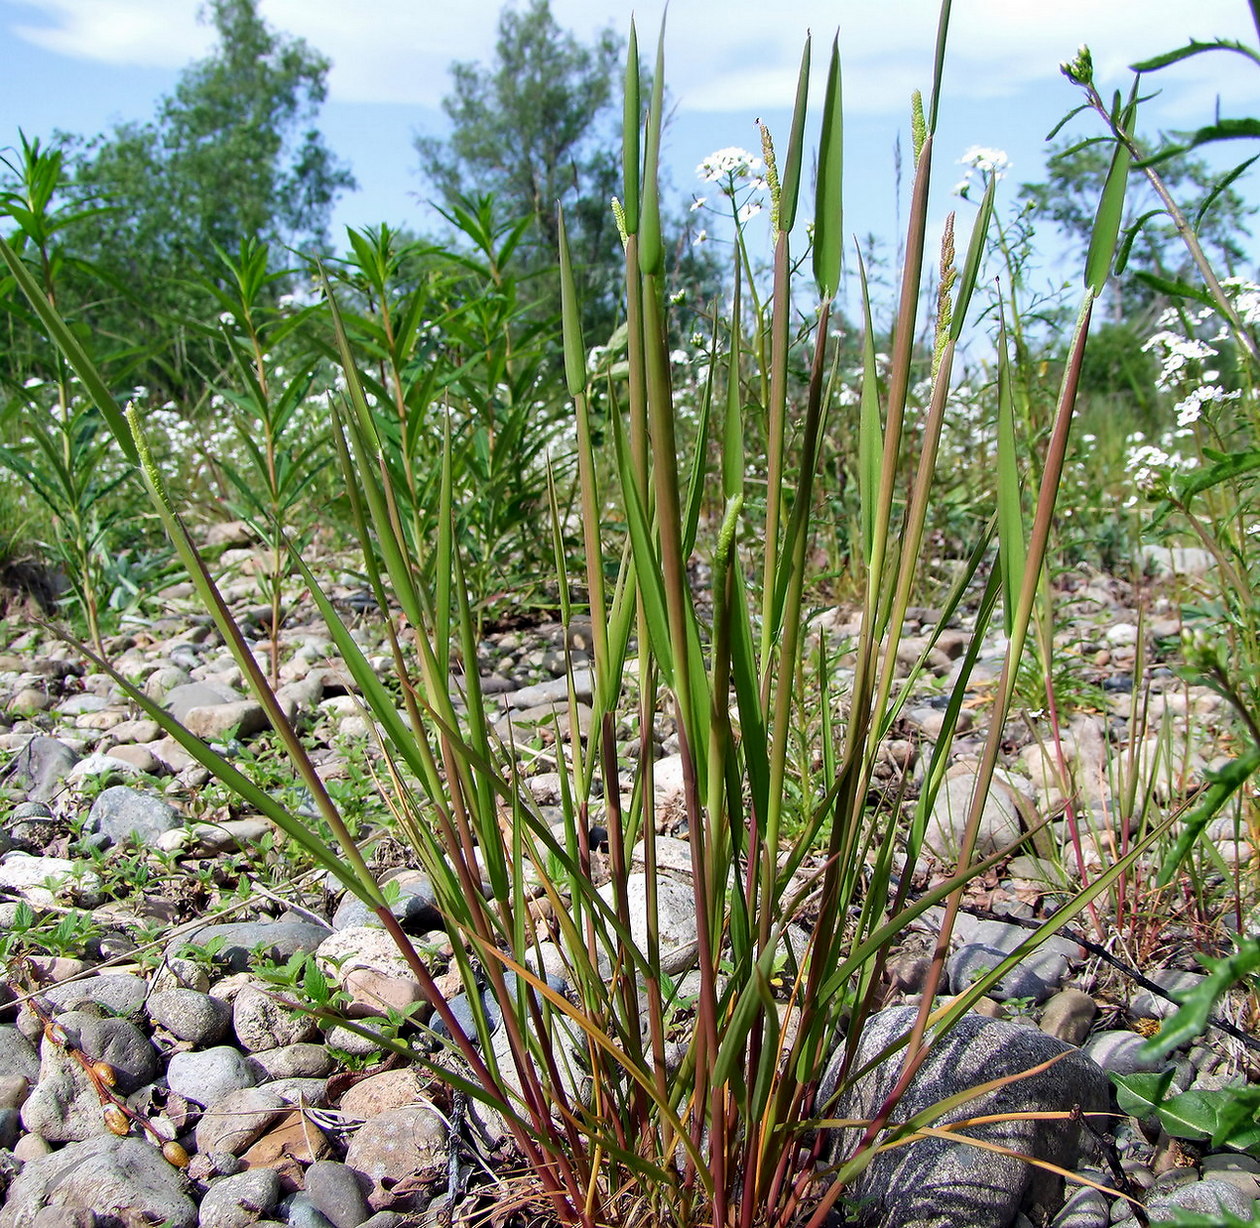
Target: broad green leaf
x=1107 y=222
x=1141 y=1094
x=828 y=194
x=1191 y=1017
x=1222 y=130
x=790 y=176
x=1222 y=785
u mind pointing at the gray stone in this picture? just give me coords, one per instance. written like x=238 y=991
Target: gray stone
x=209 y=1075
x=122 y=813
x=236 y=1120
x=974 y=960
x=40 y=880
x=935 y=1183
x=40 y=766
x=180 y=700
x=240 y=1200
x=64 y=1217
x=676 y=904
x=415 y=907
x=1086 y=1208
x=1000 y=823
x=1240 y=1170
x=17 y=1055
x=116 y=1041
x=300 y=1090
x=303 y=1060
x=300 y=1212
x=1211 y=1196
x=336 y=1191
x=1120 y=1053
x=262 y=1021
x=63 y=1107
x=112 y=1176
x=276 y=939
x=242 y=719
x=359 y=1041
x=399 y=1143
x=1167 y=561
x=1177 y=982
x=10 y=1128
x=188 y=1015
x=119 y=993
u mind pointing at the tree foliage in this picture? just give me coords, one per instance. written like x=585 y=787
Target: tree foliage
x=231 y=154
x=536 y=128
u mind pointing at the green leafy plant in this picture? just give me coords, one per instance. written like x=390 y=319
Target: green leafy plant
x=63 y=453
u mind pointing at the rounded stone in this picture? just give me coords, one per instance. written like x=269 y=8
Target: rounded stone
x=122 y=813
x=124 y=1178
x=1068 y=1016
x=303 y=1060
x=337 y=1192
x=262 y=1021
x=399 y=1143
x=207 y=1076
x=240 y=1200
x=188 y=1015
x=119 y=993
x=236 y=1120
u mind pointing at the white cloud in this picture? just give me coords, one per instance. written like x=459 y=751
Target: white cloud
x=743 y=60
x=142 y=33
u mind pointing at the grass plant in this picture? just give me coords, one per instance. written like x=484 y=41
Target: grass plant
x=622 y=1108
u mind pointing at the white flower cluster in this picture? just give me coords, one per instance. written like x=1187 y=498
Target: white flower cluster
x=989 y=162
x=1190 y=408
x=730 y=164
x=1151 y=465
x=1176 y=352
x=1245 y=296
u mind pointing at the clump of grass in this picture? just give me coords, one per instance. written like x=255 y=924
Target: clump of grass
x=611 y=1122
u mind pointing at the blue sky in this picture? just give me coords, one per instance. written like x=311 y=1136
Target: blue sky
x=82 y=65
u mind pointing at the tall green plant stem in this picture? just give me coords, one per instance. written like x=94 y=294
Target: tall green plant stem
x=1183 y=226
x=916 y=1051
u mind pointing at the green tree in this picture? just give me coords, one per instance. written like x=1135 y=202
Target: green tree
x=535 y=127
x=232 y=154
x=1068 y=199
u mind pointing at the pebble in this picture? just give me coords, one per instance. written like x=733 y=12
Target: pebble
x=399 y=1143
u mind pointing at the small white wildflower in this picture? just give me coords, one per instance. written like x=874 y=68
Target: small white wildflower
x=698 y=202
x=750 y=210
x=702 y=236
